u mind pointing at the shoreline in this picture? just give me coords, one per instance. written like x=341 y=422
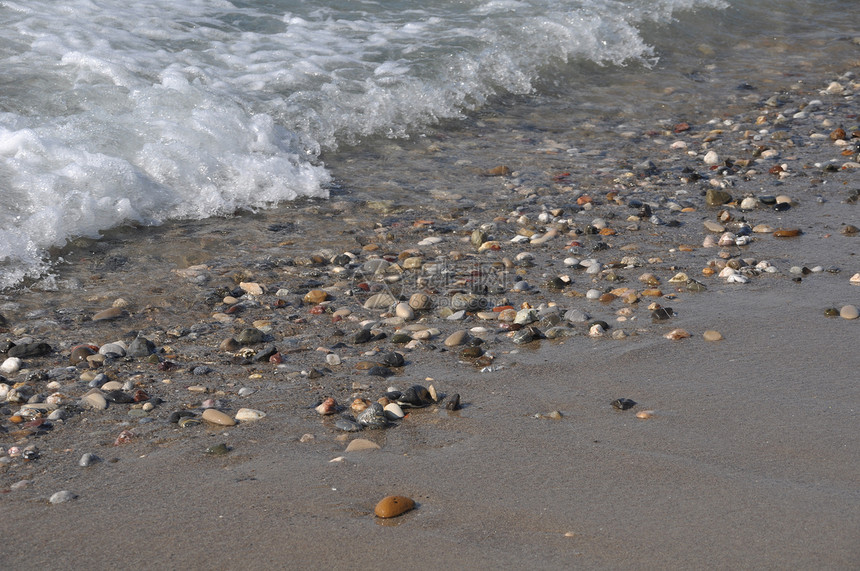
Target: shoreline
x=747 y=455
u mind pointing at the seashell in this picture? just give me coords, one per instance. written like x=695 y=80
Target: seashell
x=347 y=424
x=623 y=404
x=189 y=421
x=393 y=411
x=736 y=278
x=453 y=402
x=679 y=278
x=855 y=279
x=373 y=417
x=328 y=406
x=415 y=396
x=645 y=414
x=676 y=334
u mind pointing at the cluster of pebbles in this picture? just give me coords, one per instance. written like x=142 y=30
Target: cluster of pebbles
x=560 y=262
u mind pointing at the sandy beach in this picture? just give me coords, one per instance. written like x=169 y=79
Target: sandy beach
x=747 y=458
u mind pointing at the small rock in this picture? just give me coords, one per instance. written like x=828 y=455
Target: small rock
x=711 y=335
x=215 y=416
x=379 y=301
x=94 y=400
x=108 y=314
x=316 y=296
x=716 y=197
x=849 y=312
x=457 y=338
x=393 y=506
x=11 y=366
x=88 y=459
x=404 y=311
x=251 y=288
x=67 y=496
x=359 y=444
x=249 y=414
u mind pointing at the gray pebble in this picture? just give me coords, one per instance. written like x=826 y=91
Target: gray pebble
x=63 y=496
x=88 y=459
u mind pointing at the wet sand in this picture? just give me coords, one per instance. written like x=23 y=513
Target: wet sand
x=749 y=460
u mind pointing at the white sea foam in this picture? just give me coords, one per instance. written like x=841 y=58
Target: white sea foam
x=121 y=111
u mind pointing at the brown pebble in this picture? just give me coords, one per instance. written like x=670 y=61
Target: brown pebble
x=107 y=314
x=712 y=335
x=215 y=416
x=316 y=296
x=645 y=414
x=393 y=506
x=838 y=134
x=500 y=170
x=786 y=232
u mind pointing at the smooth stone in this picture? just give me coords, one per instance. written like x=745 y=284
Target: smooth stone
x=108 y=314
x=111 y=386
x=249 y=414
x=333 y=359
x=453 y=402
x=113 y=349
x=360 y=444
x=251 y=288
x=393 y=506
x=315 y=296
x=379 y=301
x=405 y=311
x=419 y=301
x=849 y=312
x=94 y=400
x=10 y=366
x=786 y=232
x=215 y=416
x=250 y=336
x=63 y=496
x=88 y=459
x=457 y=338
x=576 y=316
x=712 y=335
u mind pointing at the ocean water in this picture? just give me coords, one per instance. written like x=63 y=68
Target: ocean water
x=116 y=113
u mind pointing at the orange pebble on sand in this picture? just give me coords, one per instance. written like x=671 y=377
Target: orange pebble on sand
x=393 y=506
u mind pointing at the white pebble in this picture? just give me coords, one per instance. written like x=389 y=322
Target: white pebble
x=10 y=366
x=711 y=158
x=63 y=496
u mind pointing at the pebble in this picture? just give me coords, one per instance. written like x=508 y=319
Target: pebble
x=108 y=314
x=457 y=338
x=855 y=279
x=420 y=301
x=215 y=416
x=88 y=459
x=623 y=404
x=251 y=288
x=63 y=496
x=393 y=506
x=94 y=400
x=711 y=335
x=10 y=366
x=361 y=444
x=249 y=414
x=404 y=311
x=380 y=301
x=787 y=232
x=328 y=406
x=645 y=414
x=676 y=334
x=849 y=312
x=393 y=411
x=315 y=296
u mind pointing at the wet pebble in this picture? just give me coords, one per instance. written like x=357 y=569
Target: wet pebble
x=393 y=506
x=457 y=338
x=711 y=335
x=347 y=425
x=249 y=414
x=373 y=417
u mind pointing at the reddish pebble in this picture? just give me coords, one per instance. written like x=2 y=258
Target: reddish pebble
x=140 y=396
x=786 y=232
